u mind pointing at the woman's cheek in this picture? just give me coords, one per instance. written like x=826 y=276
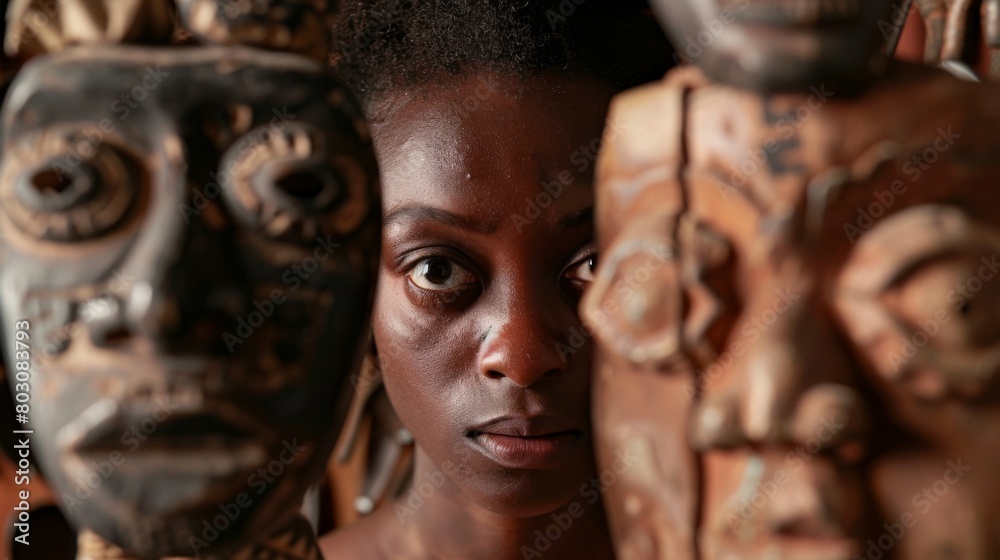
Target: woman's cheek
x=407 y=340
x=398 y=323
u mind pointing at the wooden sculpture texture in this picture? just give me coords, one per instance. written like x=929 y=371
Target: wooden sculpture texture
x=796 y=303
x=190 y=241
x=963 y=30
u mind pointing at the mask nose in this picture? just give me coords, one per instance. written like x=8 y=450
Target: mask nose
x=180 y=295
x=789 y=381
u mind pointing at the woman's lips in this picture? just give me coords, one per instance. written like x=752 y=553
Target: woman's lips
x=528 y=452
x=527 y=442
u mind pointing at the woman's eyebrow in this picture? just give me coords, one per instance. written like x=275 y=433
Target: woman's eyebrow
x=573 y=219
x=417 y=212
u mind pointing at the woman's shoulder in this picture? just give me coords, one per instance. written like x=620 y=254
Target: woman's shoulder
x=379 y=536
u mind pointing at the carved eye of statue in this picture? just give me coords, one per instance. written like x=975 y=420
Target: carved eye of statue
x=295 y=183
x=926 y=313
x=66 y=187
x=657 y=300
x=954 y=293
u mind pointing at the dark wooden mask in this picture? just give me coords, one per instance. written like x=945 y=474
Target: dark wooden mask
x=192 y=235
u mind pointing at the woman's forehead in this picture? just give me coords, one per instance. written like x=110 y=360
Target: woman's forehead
x=487 y=110
x=510 y=141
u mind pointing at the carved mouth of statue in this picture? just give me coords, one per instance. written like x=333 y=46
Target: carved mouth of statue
x=190 y=444
x=820 y=526
x=804 y=13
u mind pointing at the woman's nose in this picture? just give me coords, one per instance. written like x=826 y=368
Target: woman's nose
x=524 y=340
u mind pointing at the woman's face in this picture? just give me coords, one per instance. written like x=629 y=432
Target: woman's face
x=487 y=246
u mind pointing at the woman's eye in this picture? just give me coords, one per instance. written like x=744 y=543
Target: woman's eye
x=440 y=274
x=583 y=271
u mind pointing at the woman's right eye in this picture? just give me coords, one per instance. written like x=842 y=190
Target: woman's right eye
x=440 y=274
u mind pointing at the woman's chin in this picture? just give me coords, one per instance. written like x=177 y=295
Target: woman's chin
x=540 y=495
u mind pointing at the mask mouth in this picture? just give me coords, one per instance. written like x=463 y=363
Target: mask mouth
x=160 y=436
x=794 y=13
x=163 y=458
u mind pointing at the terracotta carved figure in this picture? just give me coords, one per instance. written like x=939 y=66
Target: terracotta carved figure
x=193 y=233
x=795 y=310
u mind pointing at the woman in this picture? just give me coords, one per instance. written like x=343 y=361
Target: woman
x=486 y=118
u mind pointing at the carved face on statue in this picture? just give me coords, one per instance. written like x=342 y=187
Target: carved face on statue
x=192 y=237
x=799 y=326
x=781 y=45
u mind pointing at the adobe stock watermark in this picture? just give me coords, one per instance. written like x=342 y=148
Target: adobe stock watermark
x=229 y=512
x=471 y=103
x=591 y=491
x=786 y=124
x=422 y=491
x=743 y=508
x=35 y=19
x=582 y=159
x=894 y=27
x=293 y=278
x=133 y=438
x=83 y=146
x=566 y=9
x=58 y=339
x=959 y=296
x=126 y=102
x=254 y=139
x=694 y=45
x=752 y=330
x=232 y=9
x=914 y=169
x=368 y=373
x=85 y=143
x=626 y=286
x=922 y=502
x=966 y=291
x=379 y=22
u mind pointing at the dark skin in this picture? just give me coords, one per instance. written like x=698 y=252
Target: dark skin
x=474 y=299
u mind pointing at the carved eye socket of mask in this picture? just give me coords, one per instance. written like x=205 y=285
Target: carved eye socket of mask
x=920 y=294
x=65 y=187
x=656 y=300
x=293 y=184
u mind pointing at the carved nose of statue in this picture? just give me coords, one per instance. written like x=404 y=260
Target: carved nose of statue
x=791 y=383
x=137 y=310
x=152 y=312
x=181 y=294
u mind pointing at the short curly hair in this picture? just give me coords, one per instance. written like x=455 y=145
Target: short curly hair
x=384 y=46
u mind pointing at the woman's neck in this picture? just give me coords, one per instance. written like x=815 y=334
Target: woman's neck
x=448 y=526
x=296 y=541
